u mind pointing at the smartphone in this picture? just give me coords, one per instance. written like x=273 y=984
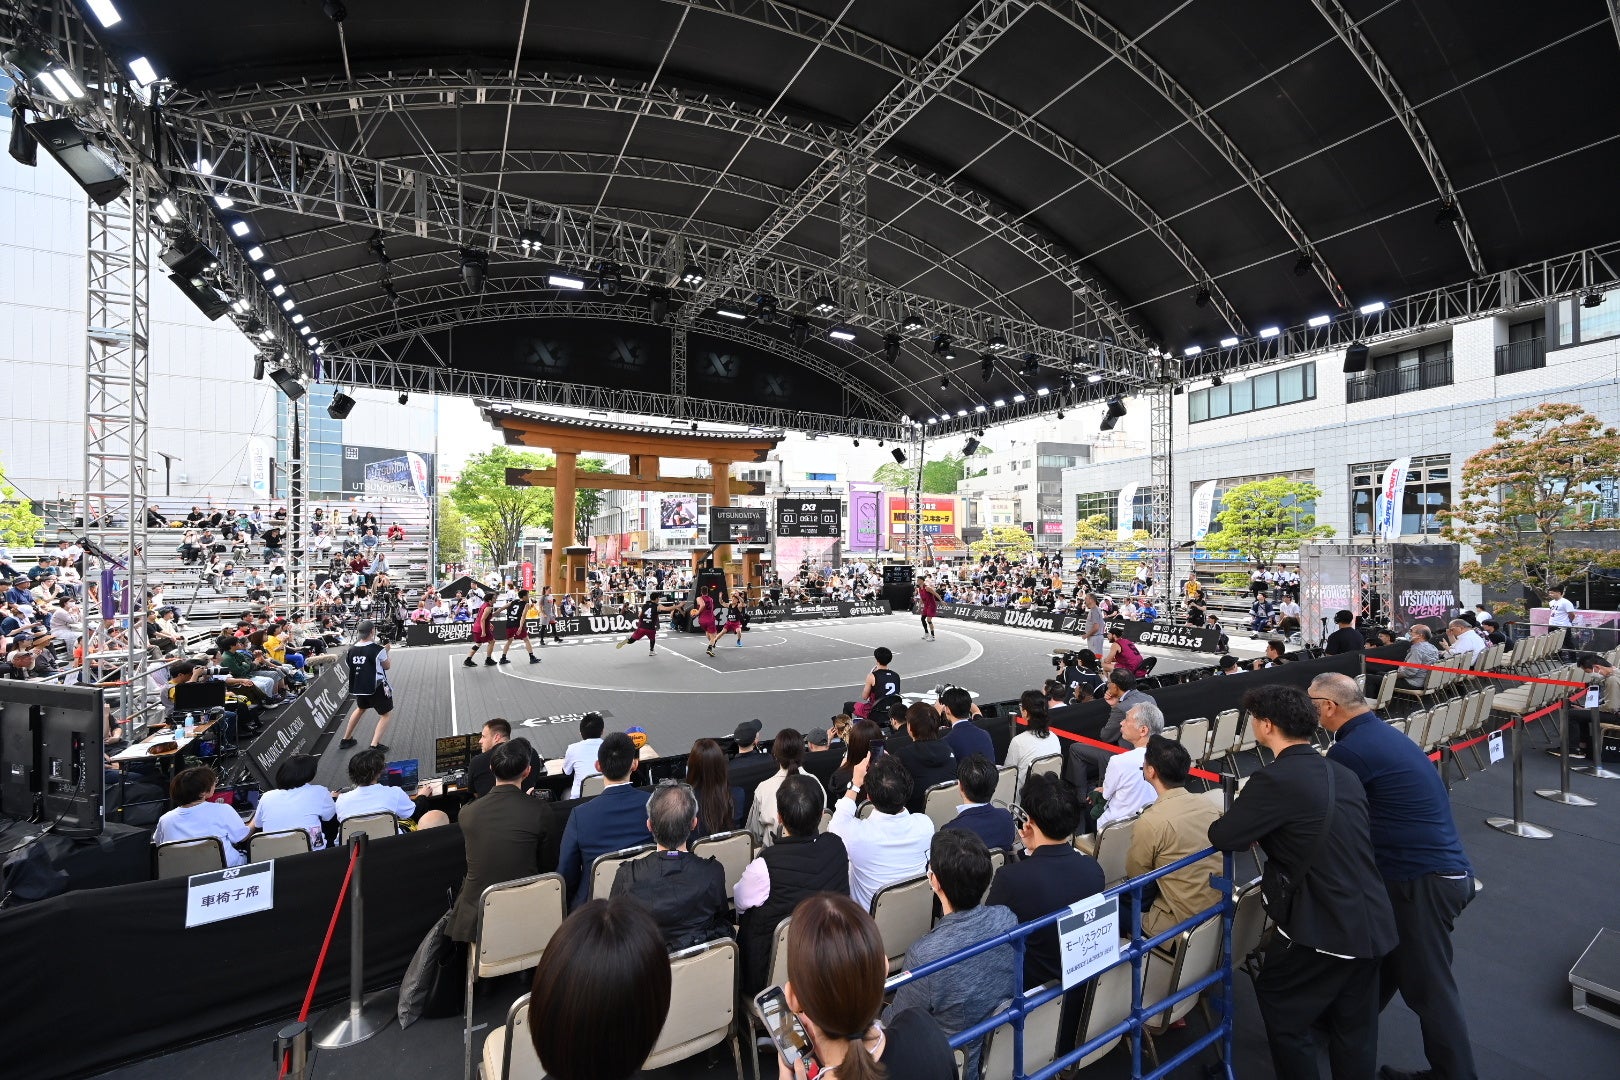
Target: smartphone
x=786 y=1031
x=875 y=747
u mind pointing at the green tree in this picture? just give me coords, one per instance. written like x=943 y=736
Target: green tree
x=938 y=477
x=497 y=514
x=587 y=501
x=1264 y=518
x=453 y=532
x=1003 y=540
x=1094 y=532
x=19 y=524
x=1525 y=497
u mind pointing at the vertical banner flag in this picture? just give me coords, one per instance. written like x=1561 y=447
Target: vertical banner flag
x=526 y=576
x=1390 y=497
x=1203 y=505
x=259 y=456
x=865 y=529
x=1127 y=511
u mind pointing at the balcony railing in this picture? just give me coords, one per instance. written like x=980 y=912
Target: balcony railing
x=1403 y=380
x=1521 y=356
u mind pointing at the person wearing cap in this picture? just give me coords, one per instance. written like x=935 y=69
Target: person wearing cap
x=747 y=736
x=816 y=739
x=1228 y=665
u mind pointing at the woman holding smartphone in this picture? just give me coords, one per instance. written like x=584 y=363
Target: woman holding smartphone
x=836 y=967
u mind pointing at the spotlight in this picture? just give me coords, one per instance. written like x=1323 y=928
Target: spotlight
x=288 y=382
x=1318 y=320
x=1060 y=414
x=825 y=305
x=1000 y=403
x=693 y=275
x=100 y=175
x=1371 y=309
x=1201 y=298
x=560 y=280
x=694 y=425
x=970 y=447
x=854 y=442
x=945 y=382
x=404 y=397
x=240 y=227
x=531 y=240
x=987 y=367
x=335 y=10
x=1303 y=263
x=1094 y=377
x=378 y=248
x=1215 y=381
x=258 y=368
x=1269 y=331
x=996 y=342
x=342 y=404
x=609 y=279
x=801 y=330
x=658 y=305
x=1229 y=342
x=727 y=311
x=1192 y=350
x=1592 y=299
x=891 y=347
x=106 y=12
x=256 y=253
x=1032 y=365
x=474 y=267
x=899 y=456
x=166 y=210
x=911 y=324
x=880 y=442
x=765 y=309
x=1446 y=213
x=942 y=346
x=841 y=332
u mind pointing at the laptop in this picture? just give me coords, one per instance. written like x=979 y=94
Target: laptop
x=199 y=697
x=402 y=774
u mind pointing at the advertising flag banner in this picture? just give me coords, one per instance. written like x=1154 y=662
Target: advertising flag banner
x=1203 y=505
x=865 y=529
x=1391 y=494
x=1127 y=512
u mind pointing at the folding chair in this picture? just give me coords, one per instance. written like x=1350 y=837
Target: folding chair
x=940 y=803
x=904 y=912
x=1108 y=1002
x=182 y=858
x=509 y=1051
x=1432 y=683
x=1248 y=928
x=1386 y=690
x=1198 y=953
x=702 y=1005
x=1246 y=741
x=515 y=921
x=594 y=784
x=1006 y=786
x=778 y=976
x=1050 y=765
x=733 y=850
x=1109 y=848
x=1223 y=737
x=606 y=866
x=1040 y=1034
x=374 y=826
x=1193 y=735
x=273 y=845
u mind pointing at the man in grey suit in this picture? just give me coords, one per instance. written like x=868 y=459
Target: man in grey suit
x=1096 y=626
x=1087 y=763
x=503 y=832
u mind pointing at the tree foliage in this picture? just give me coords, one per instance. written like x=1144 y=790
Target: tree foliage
x=1525 y=497
x=19 y=524
x=498 y=514
x=453 y=532
x=938 y=477
x=1007 y=540
x=587 y=501
x=1264 y=518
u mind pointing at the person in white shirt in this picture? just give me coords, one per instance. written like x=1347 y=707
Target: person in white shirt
x=370 y=797
x=579 y=760
x=892 y=844
x=1464 y=640
x=1035 y=741
x=296 y=802
x=1559 y=610
x=194 y=817
x=787 y=749
x=1126 y=789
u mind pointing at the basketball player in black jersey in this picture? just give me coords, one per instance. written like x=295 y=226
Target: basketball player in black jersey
x=646 y=626
x=517 y=626
x=368 y=664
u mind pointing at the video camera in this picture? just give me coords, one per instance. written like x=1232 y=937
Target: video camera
x=1068 y=659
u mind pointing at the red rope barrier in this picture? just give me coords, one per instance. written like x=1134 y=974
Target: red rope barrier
x=1202 y=774
x=1471 y=671
x=326 y=945
x=1537 y=715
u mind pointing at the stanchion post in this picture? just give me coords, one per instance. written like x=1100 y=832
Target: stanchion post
x=1562 y=794
x=1516 y=825
x=363 y=1015
x=292 y=1051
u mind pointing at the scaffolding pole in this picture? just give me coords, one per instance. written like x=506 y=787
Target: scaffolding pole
x=297 y=566
x=1161 y=513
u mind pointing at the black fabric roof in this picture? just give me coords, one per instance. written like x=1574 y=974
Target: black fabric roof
x=1519 y=109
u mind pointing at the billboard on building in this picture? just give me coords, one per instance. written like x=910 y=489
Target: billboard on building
x=941 y=516
x=678 y=516
x=377 y=472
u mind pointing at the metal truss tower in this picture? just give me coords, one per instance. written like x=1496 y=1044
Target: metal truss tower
x=1161 y=513
x=116 y=372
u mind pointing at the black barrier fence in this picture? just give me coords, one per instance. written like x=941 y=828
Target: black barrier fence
x=297 y=728
x=1162 y=635
x=452 y=633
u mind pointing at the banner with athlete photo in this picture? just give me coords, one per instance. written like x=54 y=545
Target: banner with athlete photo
x=377 y=472
x=678 y=516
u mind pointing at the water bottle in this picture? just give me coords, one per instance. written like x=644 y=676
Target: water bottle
x=188 y=725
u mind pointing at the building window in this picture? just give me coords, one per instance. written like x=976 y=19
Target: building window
x=1525 y=350
x=1057 y=461
x=1225 y=484
x=1265 y=391
x=822 y=476
x=1106 y=503
x=1602 y=321
x=1404 y=372
x=1428 y=492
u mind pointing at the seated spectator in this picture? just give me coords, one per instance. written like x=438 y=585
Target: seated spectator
x=502 y=833
x=1124 y=790
x=686 y=893
x=747 y=736
x=787 y=749
x=194 y=816
x=967 y=992
x=1466 y=642
x=579 y=760
x=803 y=861
x=1276 y=656
x=1174 y=826
x=1422 y=651
x=1036 y=740
x=1227 y=665
x=964 y=736
x=1086 y=762
x=613 y=820
x=892 y=844
x=976 y=780
x=927 y=757
x=862 y=734
x=370 y=797
x=1601 y=676
x=495 y=732
x=709 y=774
x=816 y=740
x=297 y=802
x=1058 y=694
x=605 y=965
x=839 y=727
x=836 y=966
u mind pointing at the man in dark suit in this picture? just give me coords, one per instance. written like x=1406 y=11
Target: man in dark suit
x=1323 y=887
x=976 y=780
x=497 y=731
x=966 y=738
x=615 y=819
x=503 y=833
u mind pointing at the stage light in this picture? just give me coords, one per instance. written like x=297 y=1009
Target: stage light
x=1060 y=414
x=565 y=281
x=105 y=12
x=942 y=345
x=209 y=300
x=1032 y=365
x=765 y=309
x=899 y=454
x=1000 y=403
x=145 y=74
x=855 y=442
x=297 y=319
x=258 y=367
x=1318 y=320
x=891 y=348
x=825 y=305
x=335 y=10
x=1269 y=331
x=404 y=397
x=609 y=279
x=841 y=333
x=288 y=382
x=474 y=269
x=166 y=210
x=1094 y=377
x=1192 y=350
x=693 y=275
x=981 y=408
x=1019 y=399
x=379 y=248
x=531 y=240
x=987 y=367
x=239 y=306
x=392 y=294
x=315 y=341
x=99 y=174
x=658 y=305
x=800 y=330
x=1303 y=263
x=911 y=324
x=1592 y=299
x=1373 y=308
x=341 y=405
x=278 y=290
x=203 y=167
x=1108 y=423
x=1042 y=391
x=1229 y=342
x=694 y=425
x=945 y=382
x=961 y=413
x=224 y=202
x=1201 y=298
x=240 y=228
x=880 y=441
x=1116 y=406
x=287 y=304
x=731 y=313
x=997 y=342
x=1215 y=381
x=1447 y=213
x=970 y=447
x=256 y=253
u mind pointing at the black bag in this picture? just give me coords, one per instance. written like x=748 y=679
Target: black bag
x=1278 y=887
x=435 y=980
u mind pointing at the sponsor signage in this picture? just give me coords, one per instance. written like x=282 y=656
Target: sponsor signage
x=377 y=471
x=1425 y=584
x=1387 y=511
x=810 y=517
x=588 y=625
x=865 y=528
x=738 y=525
x=295 y=729
x=1167 y=635
x=678 y=516
x=938 y=514
x=1162 y=635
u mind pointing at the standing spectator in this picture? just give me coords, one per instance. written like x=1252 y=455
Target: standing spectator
x=965 y=737
x=1426 y=872
x=892 y=844
x=579 y=760
x=803 y=861
x=686 y=893
x=927 y=757
x=1096 y=626
x=297 y=802
x=1174 y=826
x=613 y=820
x=966 y=992
x=1036 y=741
x=1345 y=637
x=976 y=780
x=1559 y=609
x=503 y=833
x=1323 y=888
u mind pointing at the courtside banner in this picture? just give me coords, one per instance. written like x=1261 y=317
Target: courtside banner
x=459 y=633
x=1162 y=635
x=1029 y=619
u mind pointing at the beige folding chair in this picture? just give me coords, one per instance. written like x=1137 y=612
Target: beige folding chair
x=1386 y=690
x=1193 y=735
x=1040 y=1035
x=273 y=845
x=374 y=826
x=702 y=1005
x=515 y=921
x=733 y=850
x=1108 y=1002
x=778 y=975
x=509 y=1051
x=865 y=810
x=940 y=803
x=1198 y=953
x=904 y=912
x=1223 y=737
x=606 y=866
x=826 y=820
x=1050 y=765
x=1433 y=681
x=1109 y=848
x=1006 y=786
x=1417 y=726
x=1248 y=927
x=182 y=858
x=592 y=785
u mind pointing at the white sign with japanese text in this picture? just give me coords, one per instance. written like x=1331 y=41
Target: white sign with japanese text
x=1089 y=938
x=1497 y=753
x=225 y=894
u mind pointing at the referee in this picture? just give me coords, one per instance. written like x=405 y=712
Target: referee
x=368 y=681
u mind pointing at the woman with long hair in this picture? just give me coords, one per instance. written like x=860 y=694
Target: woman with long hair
x=1036 y=740
x=859 y=743
x=709 y=775
x=836 y=966
x=787 y=749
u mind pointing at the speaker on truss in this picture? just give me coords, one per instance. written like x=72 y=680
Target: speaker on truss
x=1355 y=358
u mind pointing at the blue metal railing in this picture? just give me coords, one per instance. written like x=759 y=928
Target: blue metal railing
x=1134 y=954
